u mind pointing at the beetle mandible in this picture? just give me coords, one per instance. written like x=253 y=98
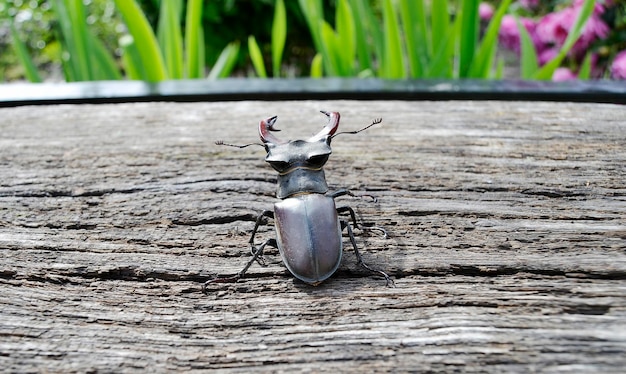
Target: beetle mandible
x=308 y=226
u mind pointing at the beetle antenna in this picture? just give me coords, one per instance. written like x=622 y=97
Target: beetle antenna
x=221 y=142
x=374 y=122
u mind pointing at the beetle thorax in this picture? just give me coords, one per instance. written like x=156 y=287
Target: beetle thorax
x=299 y=164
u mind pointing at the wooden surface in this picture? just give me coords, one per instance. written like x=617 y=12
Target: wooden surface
x=506 y=220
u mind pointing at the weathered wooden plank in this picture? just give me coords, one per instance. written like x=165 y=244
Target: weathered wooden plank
x=506 y=221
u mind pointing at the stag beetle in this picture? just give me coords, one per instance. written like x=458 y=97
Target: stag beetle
x=307 y=221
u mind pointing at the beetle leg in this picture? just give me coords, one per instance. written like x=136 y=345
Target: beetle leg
x=359 y=258
x=266 y=213
x=344 y=192
x=341 y=192
x=257 y=252
x=343 y=209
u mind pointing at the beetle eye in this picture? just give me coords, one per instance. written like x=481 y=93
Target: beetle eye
x=279 y=165
x=318 y=160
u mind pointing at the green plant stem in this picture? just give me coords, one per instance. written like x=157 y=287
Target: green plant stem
x=144 y=39
x=170 y=37
x=279 y=36
x=546 y=72
x=256 y=57
x=468 y=35
x=22 y=54
x=393 y=60
x=194 y=42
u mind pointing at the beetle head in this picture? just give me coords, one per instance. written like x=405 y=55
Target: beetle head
x=311 y=154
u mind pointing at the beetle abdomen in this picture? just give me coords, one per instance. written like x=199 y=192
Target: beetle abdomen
x=309 y=236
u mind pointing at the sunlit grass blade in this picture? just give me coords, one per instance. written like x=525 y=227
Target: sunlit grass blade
x=546 y=72
x=329 y=49
x=443 y=38
x=316 y=66
x=193 y=28
x=346 y=37
x=201 y=54
x=484 y=58
x=22 y=54
x=256 y=57
x=585 y=68
x=414 y=25
x=361 y=30
x=279 y=36
x=528 y=58
x=440 y=24
x=441 y=64
x=499 y=73
x=105 y=67
x=69 y=57
x=225 y=62
x=393 y=60
x=148 y=48
x=170 y=37
x=468 y=36
x=313 y=13
x=132 y=59
x=374 y=29
x=79 y=33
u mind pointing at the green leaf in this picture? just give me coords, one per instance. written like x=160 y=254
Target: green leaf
x=225 y=62
x=443 y=38
x=440 y=65
x=485 y=56
x=279 y=36
x=528 y=59
x=393 y=61
x=132 y=59
x=499 y=69
x=22 y=54
x=257 y=57
x=414 y=25
x=440 y=24
x=373 y=27
x=316 y=66
x=170 y=37
x=105 y=67
x=313 y=14
x=145 y=41
x=468 y=36
x=546 y=72
x=78 y=18
x=194 y=40
x=585 y=67
x=329 y=48
x=69 y=57
x=346 y=38
x=361 y=29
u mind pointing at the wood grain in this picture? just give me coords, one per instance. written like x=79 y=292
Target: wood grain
x=506 y=220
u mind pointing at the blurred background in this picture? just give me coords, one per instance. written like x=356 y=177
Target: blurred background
x=154 y=40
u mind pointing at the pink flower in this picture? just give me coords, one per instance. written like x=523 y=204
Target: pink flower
x=529 y=4
x=509 y=33
x=547 y=55
x=594 y=29
x=554 y=28
x=599 y=7
x=618 y=67
x=563 y=74
x=485 y=11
